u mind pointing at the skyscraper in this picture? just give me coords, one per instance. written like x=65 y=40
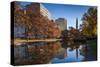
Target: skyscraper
x=39 y=8
x=76 y=23
x=45 y=12
x=61 y=23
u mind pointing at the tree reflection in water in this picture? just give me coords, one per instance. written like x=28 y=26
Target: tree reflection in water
x=56 y=52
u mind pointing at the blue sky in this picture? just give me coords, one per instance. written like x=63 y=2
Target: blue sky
x=69 y=12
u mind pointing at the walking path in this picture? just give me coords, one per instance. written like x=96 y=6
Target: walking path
x=17 y=41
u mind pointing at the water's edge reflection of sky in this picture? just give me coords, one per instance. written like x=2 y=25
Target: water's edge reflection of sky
x=70 y=57
x=57 y=52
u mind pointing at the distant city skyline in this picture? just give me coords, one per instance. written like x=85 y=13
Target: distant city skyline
x=67 y=11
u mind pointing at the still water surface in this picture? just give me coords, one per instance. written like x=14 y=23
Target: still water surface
x=62 y=52
x=57 y=52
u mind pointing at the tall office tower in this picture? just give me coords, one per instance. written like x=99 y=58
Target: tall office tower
x=45 y=12
x=62 y=23
x=76 y=23
x=39 y=8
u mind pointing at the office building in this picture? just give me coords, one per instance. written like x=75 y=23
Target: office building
x=61 y=23
x=45 y=12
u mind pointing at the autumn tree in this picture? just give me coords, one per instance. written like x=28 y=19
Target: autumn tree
x=35 y=23
x=89 y=25
x=21 y=18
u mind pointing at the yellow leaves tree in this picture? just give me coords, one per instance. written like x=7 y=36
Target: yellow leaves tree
x=89 y=25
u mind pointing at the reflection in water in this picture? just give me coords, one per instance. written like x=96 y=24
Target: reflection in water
x=72 y=54
x=55 y=52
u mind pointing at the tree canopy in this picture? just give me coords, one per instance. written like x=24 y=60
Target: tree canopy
x=34 y=22
x=89 y=25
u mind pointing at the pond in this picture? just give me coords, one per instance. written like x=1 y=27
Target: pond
x=58 y=52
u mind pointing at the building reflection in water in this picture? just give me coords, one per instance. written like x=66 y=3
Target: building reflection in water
x=55 y=52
